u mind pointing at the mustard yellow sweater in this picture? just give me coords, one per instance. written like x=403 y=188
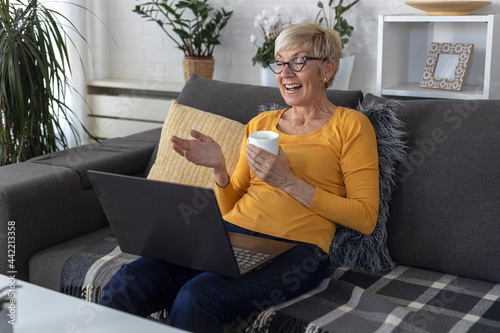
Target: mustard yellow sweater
x=340 y=160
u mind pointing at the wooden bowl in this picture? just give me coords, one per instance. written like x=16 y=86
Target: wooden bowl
x=448 y=7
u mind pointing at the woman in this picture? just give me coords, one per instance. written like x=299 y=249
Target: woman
x=326 y=173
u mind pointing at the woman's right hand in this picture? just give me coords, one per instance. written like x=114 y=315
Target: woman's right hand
x=204 y=151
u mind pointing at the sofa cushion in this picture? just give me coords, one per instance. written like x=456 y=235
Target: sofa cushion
x=351 y=248
x=45 y=267
x=240 y=101
x=445 y=212
x=170 y=166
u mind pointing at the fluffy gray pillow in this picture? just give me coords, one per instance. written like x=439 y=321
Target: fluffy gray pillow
x=369 y=253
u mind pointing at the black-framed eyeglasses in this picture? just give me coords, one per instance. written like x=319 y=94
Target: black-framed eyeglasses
x=296 y=64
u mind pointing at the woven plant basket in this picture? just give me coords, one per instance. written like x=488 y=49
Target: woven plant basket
x=201 y=66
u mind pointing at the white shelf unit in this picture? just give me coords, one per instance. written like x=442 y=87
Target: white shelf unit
x=403 y=46
x=121 y=107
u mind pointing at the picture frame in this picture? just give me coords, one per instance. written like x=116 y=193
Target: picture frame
x=446 y=66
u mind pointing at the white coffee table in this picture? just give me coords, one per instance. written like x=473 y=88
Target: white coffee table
x=46 y=311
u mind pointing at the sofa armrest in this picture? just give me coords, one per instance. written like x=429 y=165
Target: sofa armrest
x=128 y=155
x=45 y=205
x=49 y=200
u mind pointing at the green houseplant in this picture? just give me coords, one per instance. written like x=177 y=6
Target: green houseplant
x=331 y=17
x=193 y=25
x=34 y=65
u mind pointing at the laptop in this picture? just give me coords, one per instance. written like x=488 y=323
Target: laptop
x=178 y=224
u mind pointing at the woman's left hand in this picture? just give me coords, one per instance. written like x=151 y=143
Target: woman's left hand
x=270 y=168
x=275 y=171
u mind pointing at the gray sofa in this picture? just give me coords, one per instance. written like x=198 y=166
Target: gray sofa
x=443 y=229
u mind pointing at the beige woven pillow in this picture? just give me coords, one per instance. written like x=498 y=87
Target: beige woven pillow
x=171 y=167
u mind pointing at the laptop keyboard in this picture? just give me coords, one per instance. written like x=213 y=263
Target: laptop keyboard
x=247 y=258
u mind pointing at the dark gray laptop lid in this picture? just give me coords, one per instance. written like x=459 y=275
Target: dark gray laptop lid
x=178 y=224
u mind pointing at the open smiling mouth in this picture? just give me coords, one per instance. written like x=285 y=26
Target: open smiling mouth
x=292 y=87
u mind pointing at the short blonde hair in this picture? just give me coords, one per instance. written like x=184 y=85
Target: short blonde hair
x=324 y=43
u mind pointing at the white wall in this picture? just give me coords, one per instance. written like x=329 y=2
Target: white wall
x=136 y=49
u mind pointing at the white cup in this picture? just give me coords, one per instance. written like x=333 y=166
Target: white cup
x=266 y=140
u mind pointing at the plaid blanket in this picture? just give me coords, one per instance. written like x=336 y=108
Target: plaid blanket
x=405 y=299
x=402 y=300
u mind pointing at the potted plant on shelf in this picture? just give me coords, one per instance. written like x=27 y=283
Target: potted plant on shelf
x=270 y=23
x=196 y=32
x=34 y=65
x=331 y=17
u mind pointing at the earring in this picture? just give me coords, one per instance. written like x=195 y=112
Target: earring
x=324 y=79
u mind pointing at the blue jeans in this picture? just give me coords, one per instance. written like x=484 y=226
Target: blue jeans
x=204 y=302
